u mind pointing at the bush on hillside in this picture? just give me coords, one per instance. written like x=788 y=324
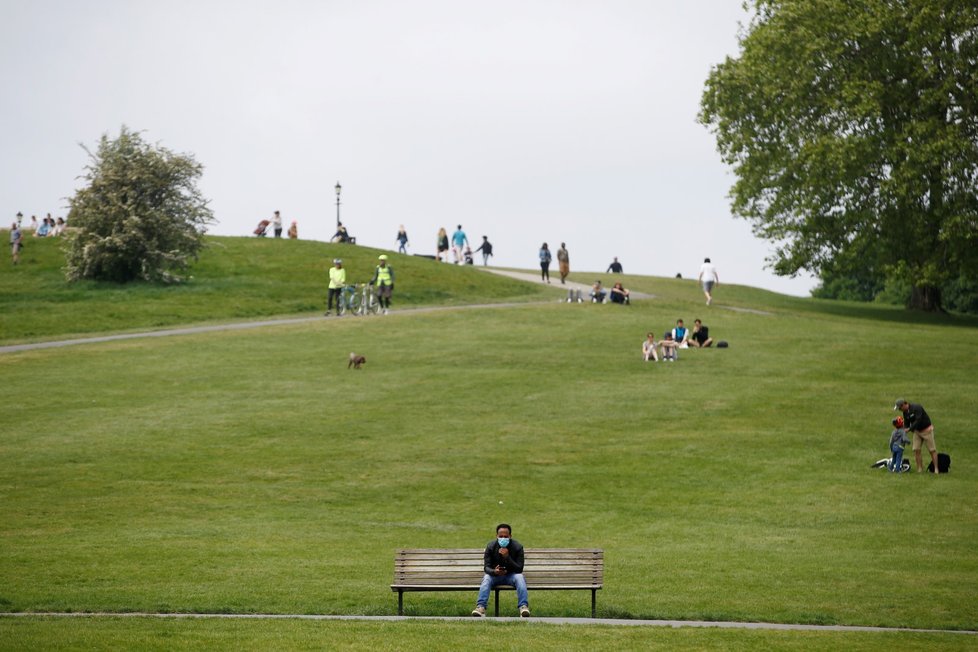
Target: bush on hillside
x=140 y=215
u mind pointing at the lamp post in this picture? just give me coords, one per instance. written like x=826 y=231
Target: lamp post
x=339 y=189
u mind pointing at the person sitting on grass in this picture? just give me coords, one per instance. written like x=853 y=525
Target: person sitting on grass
x=619 y=294
x=597 y=292
x=700 y=337
x=681 y=334
x=670 y=347
x=648 y=348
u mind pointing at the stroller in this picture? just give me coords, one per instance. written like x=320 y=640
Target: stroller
x=262 y=228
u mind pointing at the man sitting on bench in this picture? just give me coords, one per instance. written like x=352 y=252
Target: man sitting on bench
x=503 y=563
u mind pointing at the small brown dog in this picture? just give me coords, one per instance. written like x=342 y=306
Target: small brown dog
x=355 y=361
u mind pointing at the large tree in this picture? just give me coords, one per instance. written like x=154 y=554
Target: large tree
x=140 y=215
x=852 y=128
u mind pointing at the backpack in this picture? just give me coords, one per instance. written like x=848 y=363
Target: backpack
x=943 y=463
x=722 y=344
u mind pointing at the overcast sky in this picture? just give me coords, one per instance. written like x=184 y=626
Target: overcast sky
x=527 y=121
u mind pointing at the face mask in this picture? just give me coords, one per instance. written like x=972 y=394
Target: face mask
x=503 y=541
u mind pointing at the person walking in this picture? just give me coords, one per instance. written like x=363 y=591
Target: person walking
x=563 y=262
x=459 y=241
x=337 y=281
x=442 y=245
x=708 y=277
x=917 y=421
x=545 y=263
x=277 y=224
x=402 y=240
x=16 y=241
x=384 y=280
x=486 y=249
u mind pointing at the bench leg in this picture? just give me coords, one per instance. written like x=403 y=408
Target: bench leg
x=497 y=603
x=594 y=601
x=400 y=603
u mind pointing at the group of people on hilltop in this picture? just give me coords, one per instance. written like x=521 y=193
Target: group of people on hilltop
x=675 y=339
x=458 y=244
x=276 y=223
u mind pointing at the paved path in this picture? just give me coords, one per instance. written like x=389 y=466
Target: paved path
x=615 y=622
x=569 y=285
x=190 y=330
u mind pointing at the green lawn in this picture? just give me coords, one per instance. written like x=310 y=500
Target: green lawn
x=251 y=472
x=235 y=279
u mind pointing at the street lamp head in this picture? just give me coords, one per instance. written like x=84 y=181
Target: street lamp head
x=338 y=188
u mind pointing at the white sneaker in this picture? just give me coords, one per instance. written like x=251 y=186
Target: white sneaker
x=524 y=612
x=479 y=611
x=386 y=311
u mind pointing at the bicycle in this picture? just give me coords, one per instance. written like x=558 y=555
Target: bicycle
x=368 y=301
x=349 y=300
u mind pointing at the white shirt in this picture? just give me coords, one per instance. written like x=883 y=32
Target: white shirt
x=708 y=272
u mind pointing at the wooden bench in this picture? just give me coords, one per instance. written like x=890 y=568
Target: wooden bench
x=460 y=569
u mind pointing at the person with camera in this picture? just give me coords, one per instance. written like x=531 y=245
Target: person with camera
x=503 y=563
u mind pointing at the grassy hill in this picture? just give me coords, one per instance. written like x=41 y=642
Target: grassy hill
x=250 y=472
x=235 y=279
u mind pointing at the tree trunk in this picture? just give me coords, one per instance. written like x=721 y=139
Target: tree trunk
x=926 y=298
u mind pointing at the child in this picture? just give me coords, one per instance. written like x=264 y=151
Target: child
x=898 y=439
x=648 y=348
x=669 y=347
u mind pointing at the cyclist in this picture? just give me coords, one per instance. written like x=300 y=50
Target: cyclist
x=384 y=281
x=337 y=280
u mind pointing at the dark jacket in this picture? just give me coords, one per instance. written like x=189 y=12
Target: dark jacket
x=513 y=562
x=916 y=418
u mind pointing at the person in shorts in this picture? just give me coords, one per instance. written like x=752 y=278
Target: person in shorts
x=708 y=277
x=919 y=423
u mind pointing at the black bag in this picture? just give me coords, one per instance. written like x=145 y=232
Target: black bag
x=943 y=463
x=722 y=344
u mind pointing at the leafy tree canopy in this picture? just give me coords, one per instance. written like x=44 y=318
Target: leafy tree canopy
x=140 y=216
x=852 y=128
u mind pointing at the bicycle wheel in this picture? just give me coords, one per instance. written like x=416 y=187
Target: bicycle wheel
x=341 y=304
x=373 y=305
x=354 y=305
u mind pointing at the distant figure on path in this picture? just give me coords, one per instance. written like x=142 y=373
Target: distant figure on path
x=294 y=230
x=277 y=224
x=16 y=240
x=615 y=266
x=337 y=281
x=708 y=277
x=459 y=240
x=545 y=263
x=563 y=262
x=402 y=240
x=917 y=422
x=503 y=563
x=486 y=249
x=384 y=280
x=442 y=245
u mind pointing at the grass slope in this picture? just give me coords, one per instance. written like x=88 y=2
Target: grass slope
x=251 y=472
x=235 y=279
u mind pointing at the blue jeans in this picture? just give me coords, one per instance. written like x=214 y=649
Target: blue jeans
x=511 y=579
x=897 y=461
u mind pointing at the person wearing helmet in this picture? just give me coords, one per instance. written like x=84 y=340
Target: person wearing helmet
x=383 y=280
x=898 y=439
x=337 y=281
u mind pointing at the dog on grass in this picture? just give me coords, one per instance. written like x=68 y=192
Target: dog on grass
x=355 y=361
